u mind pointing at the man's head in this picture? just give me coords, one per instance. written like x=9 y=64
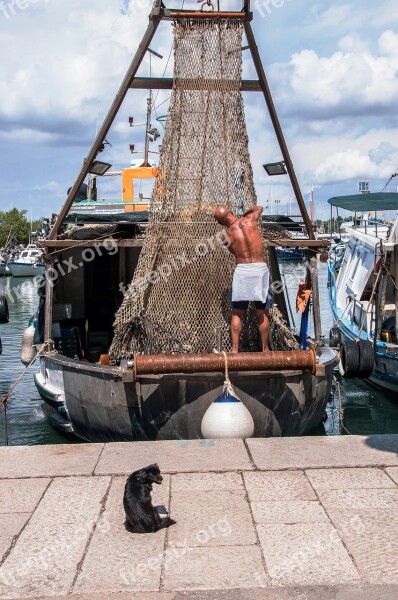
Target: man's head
x=224 y=216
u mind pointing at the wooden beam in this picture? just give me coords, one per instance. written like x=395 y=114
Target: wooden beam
x=289 y=243
x=277 y=127
x=116 y=104
x=124 y=243
x=166 y=83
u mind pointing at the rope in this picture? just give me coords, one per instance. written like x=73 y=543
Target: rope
x=5 y=398
x=341 y=409
x=227 y=381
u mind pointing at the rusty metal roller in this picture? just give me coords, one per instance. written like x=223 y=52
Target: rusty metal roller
x=303 y=360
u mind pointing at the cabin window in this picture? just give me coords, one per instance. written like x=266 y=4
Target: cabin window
x=24 y=254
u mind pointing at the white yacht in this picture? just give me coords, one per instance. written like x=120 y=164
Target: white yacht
x=28 y=264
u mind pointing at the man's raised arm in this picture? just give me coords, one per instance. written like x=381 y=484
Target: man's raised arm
x=255 y=211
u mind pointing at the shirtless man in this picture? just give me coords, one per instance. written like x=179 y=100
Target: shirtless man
x=251 y=277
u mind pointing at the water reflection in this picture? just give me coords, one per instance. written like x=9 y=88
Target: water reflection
x=27 y=424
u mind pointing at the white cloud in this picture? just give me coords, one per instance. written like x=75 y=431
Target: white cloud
x=349 y=82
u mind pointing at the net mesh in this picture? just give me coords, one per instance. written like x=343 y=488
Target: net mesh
x=178 y=300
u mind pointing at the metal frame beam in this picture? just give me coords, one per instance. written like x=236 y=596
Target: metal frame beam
x=166 y=83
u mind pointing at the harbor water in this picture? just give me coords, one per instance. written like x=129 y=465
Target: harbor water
x=367 y=410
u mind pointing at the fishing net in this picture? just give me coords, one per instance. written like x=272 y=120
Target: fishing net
x=178 y=300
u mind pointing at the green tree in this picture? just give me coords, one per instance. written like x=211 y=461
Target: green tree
x=14 y=224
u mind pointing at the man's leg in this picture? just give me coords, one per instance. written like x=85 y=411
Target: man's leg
x=263 y=327
x=236 y=327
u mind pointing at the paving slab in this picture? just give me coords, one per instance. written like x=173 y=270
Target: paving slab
x=118 y=560
x=21 y=495
x=10 y=526
x=324 y=452
x=294 y=511
x=324 y=592
x=218 y=518
x=349 y=479
x=372 y=539
x=46 y=555
x=284 y=485
x=375 y=499
x=207 y=482
x=121 y=561
x=300 y=554
x=48 y=461
x=393 y=473
x=174 y=456
x=209 y=568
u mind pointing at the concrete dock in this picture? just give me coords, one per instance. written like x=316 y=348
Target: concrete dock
x=306 y=518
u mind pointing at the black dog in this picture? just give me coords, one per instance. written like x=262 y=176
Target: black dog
x=141 y=515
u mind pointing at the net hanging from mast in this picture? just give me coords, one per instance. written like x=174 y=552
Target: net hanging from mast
x=179 y=297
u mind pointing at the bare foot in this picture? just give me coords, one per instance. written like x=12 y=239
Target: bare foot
x=234 y=352
x=266 y=350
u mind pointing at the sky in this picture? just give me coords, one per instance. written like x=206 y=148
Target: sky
x=332 y=68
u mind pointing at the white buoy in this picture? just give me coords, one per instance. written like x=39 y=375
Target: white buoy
x=28 y=350
x=227 y=418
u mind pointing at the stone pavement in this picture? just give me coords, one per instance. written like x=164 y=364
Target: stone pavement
x=311 y=518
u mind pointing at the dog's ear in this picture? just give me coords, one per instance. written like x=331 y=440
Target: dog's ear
x=141 y=476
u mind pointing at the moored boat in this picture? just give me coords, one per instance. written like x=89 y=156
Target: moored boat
x=154 y=371
x=362 y=277
x=28 y=264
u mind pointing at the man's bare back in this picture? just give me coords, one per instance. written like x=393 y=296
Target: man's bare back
x=246 y=244
x=245 y=241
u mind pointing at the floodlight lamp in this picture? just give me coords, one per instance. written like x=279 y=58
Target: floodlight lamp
x=276 y=168
x=153 y=134
x=99 y=168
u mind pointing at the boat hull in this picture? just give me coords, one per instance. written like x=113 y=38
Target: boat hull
x=385 y=372
x=18 y=269
x=95 y=404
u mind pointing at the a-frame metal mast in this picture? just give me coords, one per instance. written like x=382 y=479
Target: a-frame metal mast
x=159 y=13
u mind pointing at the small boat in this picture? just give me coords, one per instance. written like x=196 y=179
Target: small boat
x=290 y=254
x=362 y=272
x=28 y=264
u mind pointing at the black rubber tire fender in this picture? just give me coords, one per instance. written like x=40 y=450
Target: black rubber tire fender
x=4 y=314
x=334 y=337
x=366 y=358
x=349 y=359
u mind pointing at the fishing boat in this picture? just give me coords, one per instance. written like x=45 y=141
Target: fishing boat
x=29 y=263
x=133 y=322
x=362 y=276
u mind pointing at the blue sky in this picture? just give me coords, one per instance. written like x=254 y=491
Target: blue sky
x=332 y=69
